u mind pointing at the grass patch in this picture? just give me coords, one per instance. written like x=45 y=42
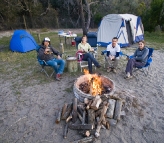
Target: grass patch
x=155 y=40
x=24 y=66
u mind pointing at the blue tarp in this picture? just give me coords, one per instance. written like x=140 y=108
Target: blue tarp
x=22 y=41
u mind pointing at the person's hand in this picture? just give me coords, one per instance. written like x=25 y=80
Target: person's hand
x=47 y=51
x=58 y=57
x=91 y=50
x=111 y=57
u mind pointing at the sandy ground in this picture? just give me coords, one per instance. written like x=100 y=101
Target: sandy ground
x=30 y=115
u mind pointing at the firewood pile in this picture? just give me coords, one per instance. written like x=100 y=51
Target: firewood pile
x=91 y=116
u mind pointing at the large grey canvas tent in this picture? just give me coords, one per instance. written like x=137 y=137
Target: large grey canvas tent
x=127 y=28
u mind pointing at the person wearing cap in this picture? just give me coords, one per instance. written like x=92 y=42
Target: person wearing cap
x=47 y=52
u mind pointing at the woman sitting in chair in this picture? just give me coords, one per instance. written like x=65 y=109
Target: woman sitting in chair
x=85 y=48
x=47 y=52
x=139 y=59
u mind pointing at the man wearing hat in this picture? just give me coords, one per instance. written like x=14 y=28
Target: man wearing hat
x=47 y=52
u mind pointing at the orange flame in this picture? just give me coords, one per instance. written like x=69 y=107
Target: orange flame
x=95 y=83
x=86 y=71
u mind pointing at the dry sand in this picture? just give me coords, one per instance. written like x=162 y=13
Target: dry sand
x=30 y=116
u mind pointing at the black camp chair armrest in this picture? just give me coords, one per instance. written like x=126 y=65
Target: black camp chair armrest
x=103 y=52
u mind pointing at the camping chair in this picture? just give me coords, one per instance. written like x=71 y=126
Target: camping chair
x=104 y=52
x=82 y=63
x=145 y=69
x=43 y=64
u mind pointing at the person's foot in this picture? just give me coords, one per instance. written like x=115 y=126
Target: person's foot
x=58 y=77
x=128 y=76
x=109 y=69
x=114 y=70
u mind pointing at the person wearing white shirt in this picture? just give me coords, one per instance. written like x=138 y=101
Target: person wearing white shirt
x=113 y=51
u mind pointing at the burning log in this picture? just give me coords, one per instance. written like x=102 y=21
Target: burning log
x=65 y=131
x=64 y=110
x=68 y=111
x=81 y=126
x=96 y=102
x=58 y=117
x=85 y=87
x=91 y=117
x=117 y=111
x=111 y=108
x=85 y=140
x=74 y=113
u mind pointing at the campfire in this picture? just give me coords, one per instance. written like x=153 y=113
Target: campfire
x=91 y=85
x=94 y=108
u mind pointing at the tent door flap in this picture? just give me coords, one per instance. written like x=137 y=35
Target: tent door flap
x=129 y=32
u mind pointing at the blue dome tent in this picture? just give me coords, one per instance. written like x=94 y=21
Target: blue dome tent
x=22 y=41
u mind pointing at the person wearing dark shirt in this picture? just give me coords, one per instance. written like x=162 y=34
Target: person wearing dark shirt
x=47 y=52
x=139 y=59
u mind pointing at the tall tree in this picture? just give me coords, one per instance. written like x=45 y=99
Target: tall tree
x=85 y=13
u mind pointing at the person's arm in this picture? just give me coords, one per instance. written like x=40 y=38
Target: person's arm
x=108 y=51
x=89 y=47
x=118 y=51
x=145 y=53
x=42 y=54
x=135 y=53
x=55 y=51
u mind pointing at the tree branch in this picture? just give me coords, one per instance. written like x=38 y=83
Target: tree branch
x=93 y=3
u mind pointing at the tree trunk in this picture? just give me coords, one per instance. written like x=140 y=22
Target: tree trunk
x=80 y=5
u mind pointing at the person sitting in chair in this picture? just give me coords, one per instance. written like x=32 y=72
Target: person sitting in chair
x=85 y=48
x=47 y=52
x=113 y=51
x=139 y=59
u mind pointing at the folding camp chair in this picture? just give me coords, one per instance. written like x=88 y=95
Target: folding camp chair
x=43 y=64
x=145 y=69
x=82 y=63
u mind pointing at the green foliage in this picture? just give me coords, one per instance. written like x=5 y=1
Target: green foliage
x=97 y=18
x=154 y=15
x=141 y=8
